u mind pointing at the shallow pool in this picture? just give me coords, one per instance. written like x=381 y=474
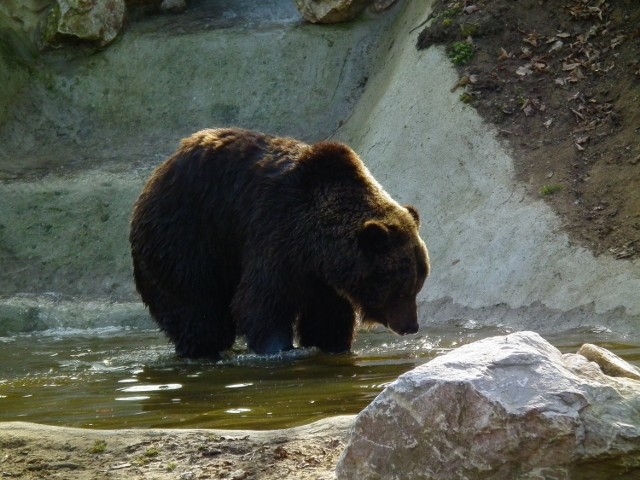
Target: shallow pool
x=119 y=378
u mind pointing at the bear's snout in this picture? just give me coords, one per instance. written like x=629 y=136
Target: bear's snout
x=410 y=329
x=407 y=328
x=403 y=318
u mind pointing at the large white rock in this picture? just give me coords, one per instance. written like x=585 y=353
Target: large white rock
x=96 y=21
x=510 y=407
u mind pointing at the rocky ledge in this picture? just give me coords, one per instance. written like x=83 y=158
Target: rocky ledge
x=508 y=407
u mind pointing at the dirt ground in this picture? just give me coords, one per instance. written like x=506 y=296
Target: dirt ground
x=560 y=80
x=29 y=451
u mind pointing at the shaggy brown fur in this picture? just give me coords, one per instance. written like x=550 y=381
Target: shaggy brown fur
x=244 y=233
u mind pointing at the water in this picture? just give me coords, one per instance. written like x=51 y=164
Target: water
x=119 y=378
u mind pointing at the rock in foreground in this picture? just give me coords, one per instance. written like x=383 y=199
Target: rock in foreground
x=509 y=407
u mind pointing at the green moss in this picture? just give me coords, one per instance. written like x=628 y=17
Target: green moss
x=551 y=189
x=152 y=452
x=454 y=10
x=446 y=16
x=466 y=97
x=469 y=30
x=461 y=53
x=99 y=446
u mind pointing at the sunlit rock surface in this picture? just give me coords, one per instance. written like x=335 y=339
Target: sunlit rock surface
x=96 y=21
x=609 y=363
x=508 y=407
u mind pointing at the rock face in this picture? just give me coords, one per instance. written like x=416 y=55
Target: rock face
x=24 y=15
x=609 y=363
x=510 y=407
x=96 y=21
x=330 y=11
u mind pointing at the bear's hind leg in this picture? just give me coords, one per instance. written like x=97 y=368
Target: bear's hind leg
x=327 y=321
x=198 y=328
x=205 y=336
x=197 y=332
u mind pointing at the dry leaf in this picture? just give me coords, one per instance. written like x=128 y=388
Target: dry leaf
x=548 y=123
x=596 y=11
x=558 y=44
x=532 y=39
x=464 y=80
x=577 y=114
x=540 y=66
x=524 y=70
x=504 y=55
x=576 y=75
x=531 y=105
x=567 y=67
x=618 y=40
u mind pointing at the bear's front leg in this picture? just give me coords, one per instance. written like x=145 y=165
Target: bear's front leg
x=267 y=343
x=264 y=316
x=327 y=321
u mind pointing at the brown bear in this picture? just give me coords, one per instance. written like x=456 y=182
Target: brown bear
x=241 y=233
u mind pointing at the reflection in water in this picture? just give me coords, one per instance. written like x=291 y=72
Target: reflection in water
x=114 y=378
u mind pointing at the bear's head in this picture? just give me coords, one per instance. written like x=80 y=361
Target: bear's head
x=395 y=265
x=371 y=251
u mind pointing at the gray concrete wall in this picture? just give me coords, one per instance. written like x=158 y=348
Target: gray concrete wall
x=170 y=75
x=498 y=254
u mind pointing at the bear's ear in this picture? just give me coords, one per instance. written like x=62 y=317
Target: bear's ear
x=414 y=213
x=373 y=236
